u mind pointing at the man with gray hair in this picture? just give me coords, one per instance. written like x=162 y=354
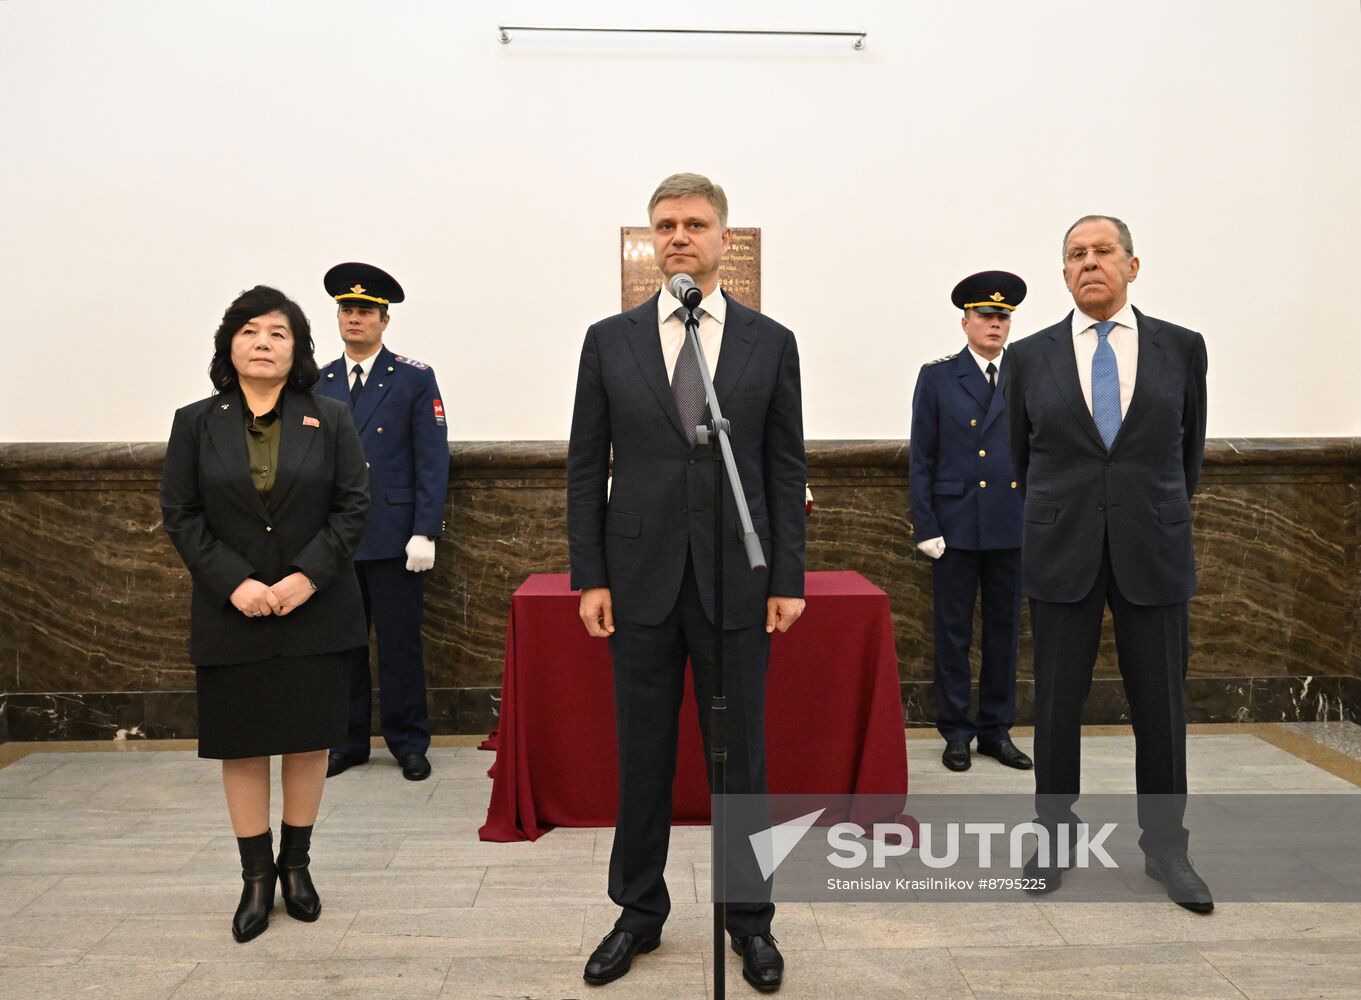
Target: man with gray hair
x=1106 y=413
x=643 y=555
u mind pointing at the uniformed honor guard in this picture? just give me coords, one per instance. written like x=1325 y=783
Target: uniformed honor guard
x=967 y=515
x=401 y=423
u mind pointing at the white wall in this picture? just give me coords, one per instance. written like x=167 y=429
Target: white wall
x=156 y=156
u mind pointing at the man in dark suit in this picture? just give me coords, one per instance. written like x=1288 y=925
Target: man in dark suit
x=966 y=513
x=1107 y=423
x=400 y=418
x=642 y=553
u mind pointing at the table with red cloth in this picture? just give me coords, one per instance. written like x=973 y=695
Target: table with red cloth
x=834 y=711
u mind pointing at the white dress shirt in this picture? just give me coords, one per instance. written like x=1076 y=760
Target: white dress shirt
x=983 y=362
x=1124 y=341
x=672 y=328
x=365 y=368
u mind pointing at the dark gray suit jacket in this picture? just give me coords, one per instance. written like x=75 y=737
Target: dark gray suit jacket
x=227 y=534
x=1077 y=496
x=661 y=501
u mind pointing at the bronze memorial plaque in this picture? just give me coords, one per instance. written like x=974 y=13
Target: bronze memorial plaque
x=739 y=274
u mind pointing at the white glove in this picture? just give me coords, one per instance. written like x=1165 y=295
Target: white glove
x=933 y=547
x=420 y=554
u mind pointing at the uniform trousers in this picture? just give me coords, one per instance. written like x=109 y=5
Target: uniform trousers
x=1151 y=647
x=394 y=603
x=649 y=682
x=955 y=581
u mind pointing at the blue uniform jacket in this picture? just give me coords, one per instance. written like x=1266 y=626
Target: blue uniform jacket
x=962 y=486
x=401 y=424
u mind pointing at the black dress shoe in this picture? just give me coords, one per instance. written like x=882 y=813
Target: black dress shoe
x=762 y=963
x=956 y=755
x=1042 y=879
x=415 y=766
x=614 y=956
x=295 y=881
x=338 y=762
x=257 y=894
x=1006 y=752
x=1184 y=886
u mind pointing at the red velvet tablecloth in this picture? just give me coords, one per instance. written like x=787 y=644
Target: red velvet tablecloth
x=834 y=712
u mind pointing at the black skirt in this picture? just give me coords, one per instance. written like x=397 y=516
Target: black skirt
x=287 y=704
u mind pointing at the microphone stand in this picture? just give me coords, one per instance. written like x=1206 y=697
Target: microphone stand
x=716 y=435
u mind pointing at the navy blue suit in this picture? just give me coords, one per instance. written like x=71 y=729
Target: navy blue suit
x=402 y=428
x=961 y=489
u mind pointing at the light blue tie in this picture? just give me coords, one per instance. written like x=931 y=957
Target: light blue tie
x=1105 y=385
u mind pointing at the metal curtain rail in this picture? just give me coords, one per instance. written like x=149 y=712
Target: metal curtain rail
x=859 y=36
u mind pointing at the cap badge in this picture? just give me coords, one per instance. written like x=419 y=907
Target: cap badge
x=997 y=296
x=358 y=289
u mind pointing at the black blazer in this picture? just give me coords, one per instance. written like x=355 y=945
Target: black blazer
x=660 y=502
x=1138 y=498
x=225 y=533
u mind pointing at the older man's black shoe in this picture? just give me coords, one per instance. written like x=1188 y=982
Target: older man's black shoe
x=614 y=956
x=1042 y=879
x=956 y=755
x=1184 y=886
x=415 y=766
x=338 y=763
x=762 y=963
x=1006 y=752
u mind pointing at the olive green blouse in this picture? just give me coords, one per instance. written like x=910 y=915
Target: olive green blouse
x=262 y=445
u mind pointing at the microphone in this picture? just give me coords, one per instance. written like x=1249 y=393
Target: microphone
x=683 y=287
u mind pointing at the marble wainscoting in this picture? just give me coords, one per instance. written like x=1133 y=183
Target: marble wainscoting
x=92 y=628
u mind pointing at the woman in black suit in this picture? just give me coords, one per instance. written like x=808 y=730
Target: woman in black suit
x=264 y=494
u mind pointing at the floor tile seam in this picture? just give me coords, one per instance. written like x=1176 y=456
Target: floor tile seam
x=1220 y=972
x=341 y=939
x=1039 y=908
x=103 y=937
x=20 y=912
x=1310 y=751
x=182 y=983
x=962 y=975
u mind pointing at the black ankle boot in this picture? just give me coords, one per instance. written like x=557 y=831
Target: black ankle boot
x=257 y=895
x=300 y=895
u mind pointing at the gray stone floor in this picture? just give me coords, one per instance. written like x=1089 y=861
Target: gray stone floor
x=118 y=876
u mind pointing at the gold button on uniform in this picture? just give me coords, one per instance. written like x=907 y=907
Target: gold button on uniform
x=973 y=423
x=982 y=454
x=983 y=484
x=269 y=527
x=1013 y=484
x=380 y=430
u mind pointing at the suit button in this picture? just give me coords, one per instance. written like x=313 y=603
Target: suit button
x=982 y=484
x=692 y=461
x=1109 y=463
x=1013 y=484
x=269 y=527
x=685 y=510
x=1101 y=506
x=380 y=430
x=982 y=453
x=973 y=423
x=367 y=465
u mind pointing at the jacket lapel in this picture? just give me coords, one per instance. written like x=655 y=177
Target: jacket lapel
x=645 y=342
x=1148 y=372
x=971 y=380
x=227 y=431
x=739 y=338
x=999 y=400
x=376 y=384
x=1063 y=366
x=295 y=440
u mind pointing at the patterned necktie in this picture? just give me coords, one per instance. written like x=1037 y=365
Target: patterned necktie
x=1105 y=385
x=355 y=390
x=686 y=385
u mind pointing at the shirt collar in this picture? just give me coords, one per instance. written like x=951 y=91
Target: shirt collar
x=714 y=304
x=1125 y=317
x=984 y=362
x=366 y=365
x=264 y=419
